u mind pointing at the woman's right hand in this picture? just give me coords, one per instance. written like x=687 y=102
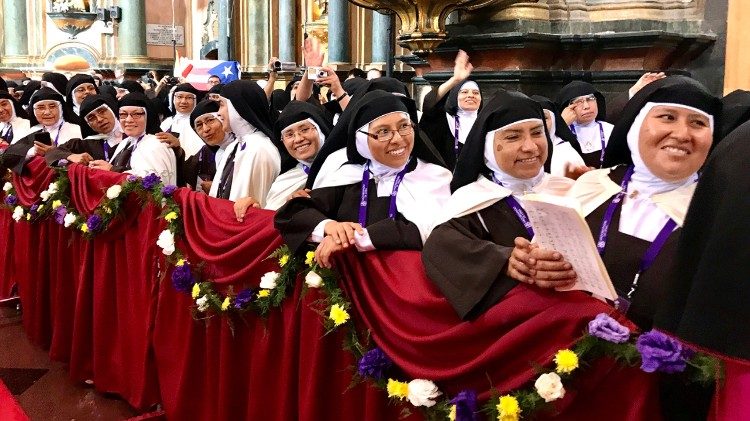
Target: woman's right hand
x=544 y=268
x=342 y=233
x=326 y=249
x=569 y=114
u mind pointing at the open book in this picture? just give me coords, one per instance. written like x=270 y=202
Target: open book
x=559 y=225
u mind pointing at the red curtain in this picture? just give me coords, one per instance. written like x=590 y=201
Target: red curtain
x=107 y=307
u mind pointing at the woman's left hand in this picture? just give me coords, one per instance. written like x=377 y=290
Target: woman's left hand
x=326 y=249
x=241 y=205
x=41 y=149
x=551 y=270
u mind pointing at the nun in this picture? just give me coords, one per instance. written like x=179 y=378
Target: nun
x=200 y=168
x=140 y=153
x=451 y=111
x=482 y=249
x=566 y=152
x=584 y=110
x=78 y=88
x=13 y=121
x=246 y=172
x=47 y=116
x=301 y=128
x=636 y=206
x=183 y=99
x=100 y=114
x=386 y=194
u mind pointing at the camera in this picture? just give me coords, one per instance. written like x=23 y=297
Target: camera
x=315 y=73
x=172 y=80
x=283 y=66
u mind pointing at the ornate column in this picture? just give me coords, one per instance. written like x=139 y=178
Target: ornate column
x=380 y=41
x=14 y=16
x=338 y=32
x=287 y=21
x=131 y=33
x=253 y=33
x=224 y=30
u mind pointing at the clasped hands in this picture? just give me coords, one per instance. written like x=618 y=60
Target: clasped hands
x=338 y=237
x=544 y=268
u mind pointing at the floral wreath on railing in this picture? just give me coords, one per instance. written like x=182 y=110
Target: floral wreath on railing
x=604 y=337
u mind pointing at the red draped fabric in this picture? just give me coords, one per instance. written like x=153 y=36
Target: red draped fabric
x=107 y=307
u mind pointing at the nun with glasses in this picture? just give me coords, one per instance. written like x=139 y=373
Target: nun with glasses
x=584 y=110
x=100 y=112
x=200 y=169
x=566 y=152
x=13 y=121
x=383 y=197
x=301 y=128
x=482 y=249
x=252 y=162
x=636 y=206
x=176 y=129
x=140 y=153
x=47 y=115
x=451 y=111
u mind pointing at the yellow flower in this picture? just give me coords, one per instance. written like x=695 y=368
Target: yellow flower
x=56 y=204
x=196 y=291
x=107 y=209
x=39 y=209
x=452 y=414
x=180 y=262
x=171 y=216
x=264 y=293
x=28 y=217
x=338 y=315
x=397 y=389
x=508 y=409
x=84 y=227
x=283 y=260
x=309 y=258
x=225 y=304
x=566 y=361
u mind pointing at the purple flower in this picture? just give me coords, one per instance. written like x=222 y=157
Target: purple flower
x=60 y=213
x=94 y=223
x=609 y=329
x=466 y=405
x=63 y=162
x=244 y=298
x=659 y=352
x=182 y=278
x=33 y=208
x=374 y=364
x=167 y=191
x=11 y=200
x=150 y=181
x=131 y=178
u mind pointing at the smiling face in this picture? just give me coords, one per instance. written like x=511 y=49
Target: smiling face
x=469 y=98
x=184 y=102
x=674 y=141
x=133 y=120
x=6 y=110
x=210 y=129
x=395 y=152
x=301 y=140
x=47 y=112
x=82 y=91
x=102 y=120
x=521 y=149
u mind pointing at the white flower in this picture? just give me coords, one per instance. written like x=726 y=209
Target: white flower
x=52 y=189
x=202 y=303
x=17 y=213
x=44 y=195
x=70 y=219
x=166 y=242
x=313 y=280
x=114 y=191
x=268 y=281
x=7 y=186
x=549 y=386
x=422 y=392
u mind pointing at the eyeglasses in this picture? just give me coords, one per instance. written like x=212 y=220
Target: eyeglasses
x=205 y=121
x=86 y=87
x=135 y=115
x=94 y=115
x=583 y=99
x=45 y=107
x=385 y=135
x=291 y=134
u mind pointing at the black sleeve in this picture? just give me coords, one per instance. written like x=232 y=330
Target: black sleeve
x=615 y=106
x=297 y=219
x=189 y=170
x=72 y=146
x=395 y=234
x=467 y=267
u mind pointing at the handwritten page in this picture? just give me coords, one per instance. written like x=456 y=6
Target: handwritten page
x=558 y=225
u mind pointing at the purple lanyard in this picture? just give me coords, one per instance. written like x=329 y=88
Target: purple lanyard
x=601 y=138
x=105 y=145
x=306 y=169
x=455 y=134
x=365 y=187
x=59 y=129
x=653 y=250
x=518 y=210
x=8 y=136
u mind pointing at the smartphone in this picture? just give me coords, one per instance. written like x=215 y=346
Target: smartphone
x=43 y=137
